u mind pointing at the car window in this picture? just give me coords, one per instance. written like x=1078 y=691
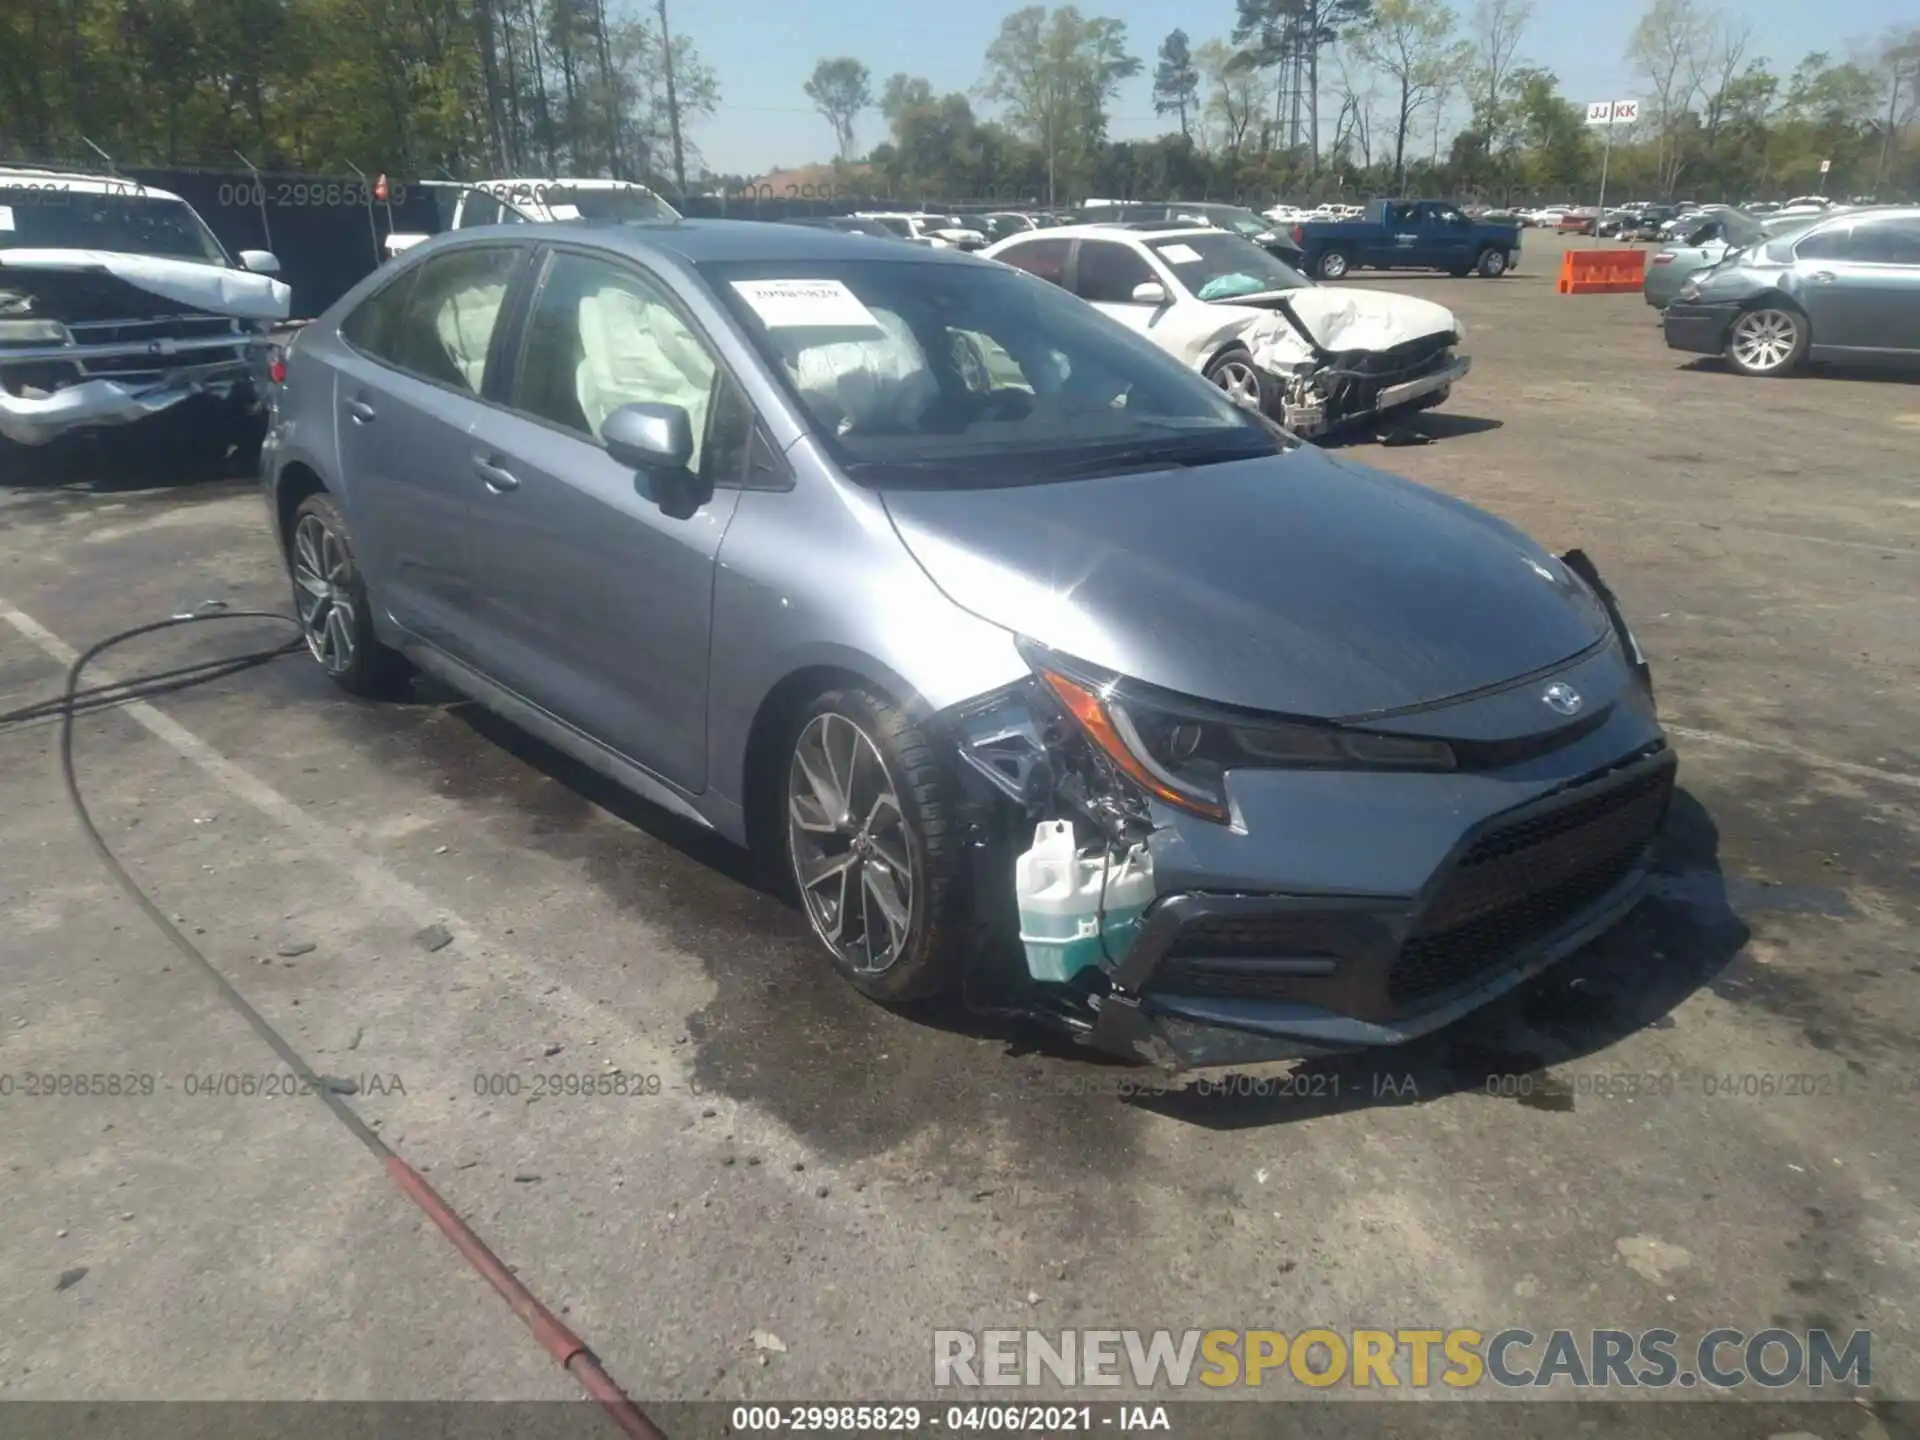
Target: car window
x=130 y=221
x=917 y=373
x=1834 y=243
x=372 y=326
x=1222 y=265
x=1045 y=258
x=446 y=319
x=600 y=336
x=1106 y=273
x=1892 y=242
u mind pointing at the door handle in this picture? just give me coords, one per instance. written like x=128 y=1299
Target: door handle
x=498 y=478
x=1823 y=277
x=360 y=410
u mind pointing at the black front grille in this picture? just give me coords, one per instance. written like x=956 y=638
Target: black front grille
x=1245 y=937
x=159 y=327
x=1524 y=880
x=1227 y=979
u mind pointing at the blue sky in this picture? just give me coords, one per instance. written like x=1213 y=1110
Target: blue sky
x=763 y=51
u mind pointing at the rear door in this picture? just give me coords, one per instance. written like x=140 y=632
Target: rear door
x=416 y=355
x=1045 y=258
x=595 y=582
x=1855 y=278
x=1396 y=241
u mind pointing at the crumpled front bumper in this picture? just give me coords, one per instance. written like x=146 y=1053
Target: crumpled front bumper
x=1310 y=417
x=42 y=415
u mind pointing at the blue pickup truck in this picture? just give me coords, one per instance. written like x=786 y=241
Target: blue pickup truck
x=1407 y=235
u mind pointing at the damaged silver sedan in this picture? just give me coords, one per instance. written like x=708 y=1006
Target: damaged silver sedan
x=117 y=304
x=1045 y=674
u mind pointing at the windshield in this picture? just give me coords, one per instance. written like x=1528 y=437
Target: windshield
x=1222 y=265
x=130 y=224
x=917 y=373
x=566 y=202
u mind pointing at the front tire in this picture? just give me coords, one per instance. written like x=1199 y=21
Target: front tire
x=1768 y=341
x=1334 y=265
x=1233 y=371
x=330 y=601
x=874 y=847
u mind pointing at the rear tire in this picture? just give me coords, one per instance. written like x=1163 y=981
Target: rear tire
x=1334 y=265
x=1768 y=341
x=1492 y=263
x=330 y=600
x=873 y=843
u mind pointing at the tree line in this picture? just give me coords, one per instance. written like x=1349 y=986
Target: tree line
x=471 y=88
x=1319 y=99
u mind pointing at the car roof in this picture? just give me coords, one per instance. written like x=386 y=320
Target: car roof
x=16 y=177
x=699 y=241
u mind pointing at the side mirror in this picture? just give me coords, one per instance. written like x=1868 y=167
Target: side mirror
x=649 y=437
x=1149 y=292
x=260 y=262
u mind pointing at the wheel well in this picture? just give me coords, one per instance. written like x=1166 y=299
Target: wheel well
x=296 y=483
x=777 y=713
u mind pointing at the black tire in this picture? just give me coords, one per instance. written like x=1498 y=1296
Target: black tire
x=926 y=956
x=1233 y=371
x=1768 y=340
x=1492 y=262
x=1334 y=264
x=338 y=625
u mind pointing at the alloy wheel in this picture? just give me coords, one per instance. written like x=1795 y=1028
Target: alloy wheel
x=1333 y=265
x=1765 y=339
x=322 y=593
x=851 y=846
x=1236 y=377
x=1493 y=265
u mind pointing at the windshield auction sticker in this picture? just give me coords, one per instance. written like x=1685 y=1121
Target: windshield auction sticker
x=806 y=305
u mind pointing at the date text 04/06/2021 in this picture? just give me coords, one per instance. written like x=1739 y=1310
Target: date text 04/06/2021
x=909 y=1419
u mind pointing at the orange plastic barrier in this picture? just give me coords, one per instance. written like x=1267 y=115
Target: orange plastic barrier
x=1602 y=272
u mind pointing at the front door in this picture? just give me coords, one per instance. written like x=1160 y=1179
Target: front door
x=596 y=581
x=407 y=381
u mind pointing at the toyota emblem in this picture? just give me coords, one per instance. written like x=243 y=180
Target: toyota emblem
x=1562 y=698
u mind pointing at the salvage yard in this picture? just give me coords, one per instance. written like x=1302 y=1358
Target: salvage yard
x=794 y=1162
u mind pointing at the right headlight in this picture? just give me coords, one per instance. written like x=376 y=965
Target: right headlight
x=1180 y=751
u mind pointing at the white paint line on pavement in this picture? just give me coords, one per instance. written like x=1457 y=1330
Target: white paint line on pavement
x=329 y=843
x=1789 y=752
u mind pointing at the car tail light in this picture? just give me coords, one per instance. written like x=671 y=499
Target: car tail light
x=277 y=369
x=1299 y=235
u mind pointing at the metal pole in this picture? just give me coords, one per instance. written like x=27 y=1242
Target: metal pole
x=373 y=227
x=260 y=195
x=1606 y=155
x=673 y=105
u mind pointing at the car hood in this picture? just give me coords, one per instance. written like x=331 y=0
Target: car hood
x=213 y=288
x=1297 y=584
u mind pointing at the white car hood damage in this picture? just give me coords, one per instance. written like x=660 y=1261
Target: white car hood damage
x=1342 y=319
x=213 y=288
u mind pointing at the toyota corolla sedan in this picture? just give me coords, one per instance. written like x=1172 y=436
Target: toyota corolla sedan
x=885 y=564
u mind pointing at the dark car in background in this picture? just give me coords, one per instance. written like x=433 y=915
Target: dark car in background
x=1845 y=287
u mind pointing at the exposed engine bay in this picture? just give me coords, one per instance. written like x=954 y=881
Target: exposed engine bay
x=1339 y=356
x=92 y=338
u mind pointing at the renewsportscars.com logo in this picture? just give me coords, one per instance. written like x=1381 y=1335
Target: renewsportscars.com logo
x=1721 y=1359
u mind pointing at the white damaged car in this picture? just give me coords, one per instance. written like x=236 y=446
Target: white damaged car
x=1316 y=358
x=118 y=304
